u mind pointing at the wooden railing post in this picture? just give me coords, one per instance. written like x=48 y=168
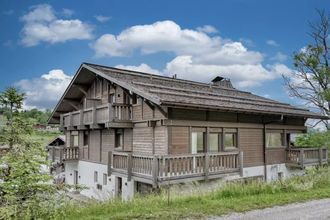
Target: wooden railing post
x=301 y=158
x=241 y=163
x=81 y=117
x=206 y=165
x=129 y=166
x=320 y=155
x=155 y=170
x=110 y=112
x=70 y=119
x=61 y=155
x=109 y=162
x=61 y=122
x=93 y=115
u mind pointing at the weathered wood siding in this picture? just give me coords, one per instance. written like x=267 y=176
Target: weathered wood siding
x=275 y=155
x=142 y=139
x=95 y=145
x=108 y=143
x=128 y=139
x=179 y=140
x=161 y=140
x=251 y=143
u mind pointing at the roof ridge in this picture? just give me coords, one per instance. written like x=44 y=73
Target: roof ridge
x=134 y=72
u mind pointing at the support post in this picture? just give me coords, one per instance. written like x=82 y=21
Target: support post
x=241 y=163
x=320 y=155
x=301 y=158
x=61 y=154
x=110 y=112
x=81 y=117
x=155 y=171
x=93 y=115
x=206 y=165
x=61 y=122
x=129 y=166
x=109 y=162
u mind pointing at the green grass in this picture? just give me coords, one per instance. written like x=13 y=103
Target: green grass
x=43 y=137
x=233 y=197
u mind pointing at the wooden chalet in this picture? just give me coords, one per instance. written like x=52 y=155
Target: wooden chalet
x=127 y=130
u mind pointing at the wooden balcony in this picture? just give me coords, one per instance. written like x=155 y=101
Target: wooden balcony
x=71 y=153
x=302 y=157
x=168 y=169
x=109 y=115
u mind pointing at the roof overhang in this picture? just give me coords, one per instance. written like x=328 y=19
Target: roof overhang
x=78 y=87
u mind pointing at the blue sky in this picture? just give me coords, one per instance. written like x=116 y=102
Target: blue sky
x=252 y=42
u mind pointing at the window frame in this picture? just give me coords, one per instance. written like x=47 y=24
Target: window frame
x=233 y=132
x=281 y=132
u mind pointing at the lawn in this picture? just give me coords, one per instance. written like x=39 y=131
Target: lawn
x=44 y=137
x=234 y=197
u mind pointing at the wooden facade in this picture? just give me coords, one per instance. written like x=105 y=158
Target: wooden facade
x=110 y=121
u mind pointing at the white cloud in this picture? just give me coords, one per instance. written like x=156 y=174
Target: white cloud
x=198 y=56
x=42 y=25
x=272 y=43
x=141 y=68
x=280 y=57
x=102 y=18
x=207 y=29
x=45 y=91
x=159 y=36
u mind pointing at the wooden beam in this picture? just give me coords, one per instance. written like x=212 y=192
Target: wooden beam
x=82 y=88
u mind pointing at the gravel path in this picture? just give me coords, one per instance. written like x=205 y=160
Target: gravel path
x=316 y=209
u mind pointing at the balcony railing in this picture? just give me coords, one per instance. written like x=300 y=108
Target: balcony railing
x=70 y=153
x=159 y=170
x=302 y=157
x=103 y=114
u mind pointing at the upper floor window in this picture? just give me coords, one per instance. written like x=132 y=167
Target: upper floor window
x=274 y=139
x=119 y=138
x=86 y=138
x=74 y=139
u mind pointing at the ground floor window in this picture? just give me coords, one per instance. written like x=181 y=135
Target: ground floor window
x=230 y=139
x=197 y=142
x=215 y=142
x=274 y=139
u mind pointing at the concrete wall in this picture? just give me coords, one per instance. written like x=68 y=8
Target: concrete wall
x=86 y=179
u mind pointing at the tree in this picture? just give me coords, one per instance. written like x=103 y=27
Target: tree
x=11 y=99
x=311 y=80
x=26 y=190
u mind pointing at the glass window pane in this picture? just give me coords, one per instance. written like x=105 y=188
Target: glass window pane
x=274 y=139
x=214 y=142
x=75 y=141
x=197 y=142
x=230 y=140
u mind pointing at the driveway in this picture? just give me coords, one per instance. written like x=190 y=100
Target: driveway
x=316 y=209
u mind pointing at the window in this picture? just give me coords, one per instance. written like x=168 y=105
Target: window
x=105 y=180
x=230 y=140
x=74 y=139
x=274 y=139
x=95 y=176
x=112 y=98
x=86 y=138
x=215 y=140
x=197 y=142
x=119 y=138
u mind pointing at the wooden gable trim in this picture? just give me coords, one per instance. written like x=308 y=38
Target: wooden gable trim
x=124 y=85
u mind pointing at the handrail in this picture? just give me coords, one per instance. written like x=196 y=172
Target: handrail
x=159 y=168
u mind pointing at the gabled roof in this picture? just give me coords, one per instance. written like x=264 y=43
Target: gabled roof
x=167 y=91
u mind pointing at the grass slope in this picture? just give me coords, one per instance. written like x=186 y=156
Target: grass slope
x=231 y=198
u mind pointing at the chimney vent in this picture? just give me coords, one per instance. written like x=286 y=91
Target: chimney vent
x=174 y=76
x=223 y=82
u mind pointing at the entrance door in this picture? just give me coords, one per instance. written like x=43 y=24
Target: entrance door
x=118 y=187
x=75 y=177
